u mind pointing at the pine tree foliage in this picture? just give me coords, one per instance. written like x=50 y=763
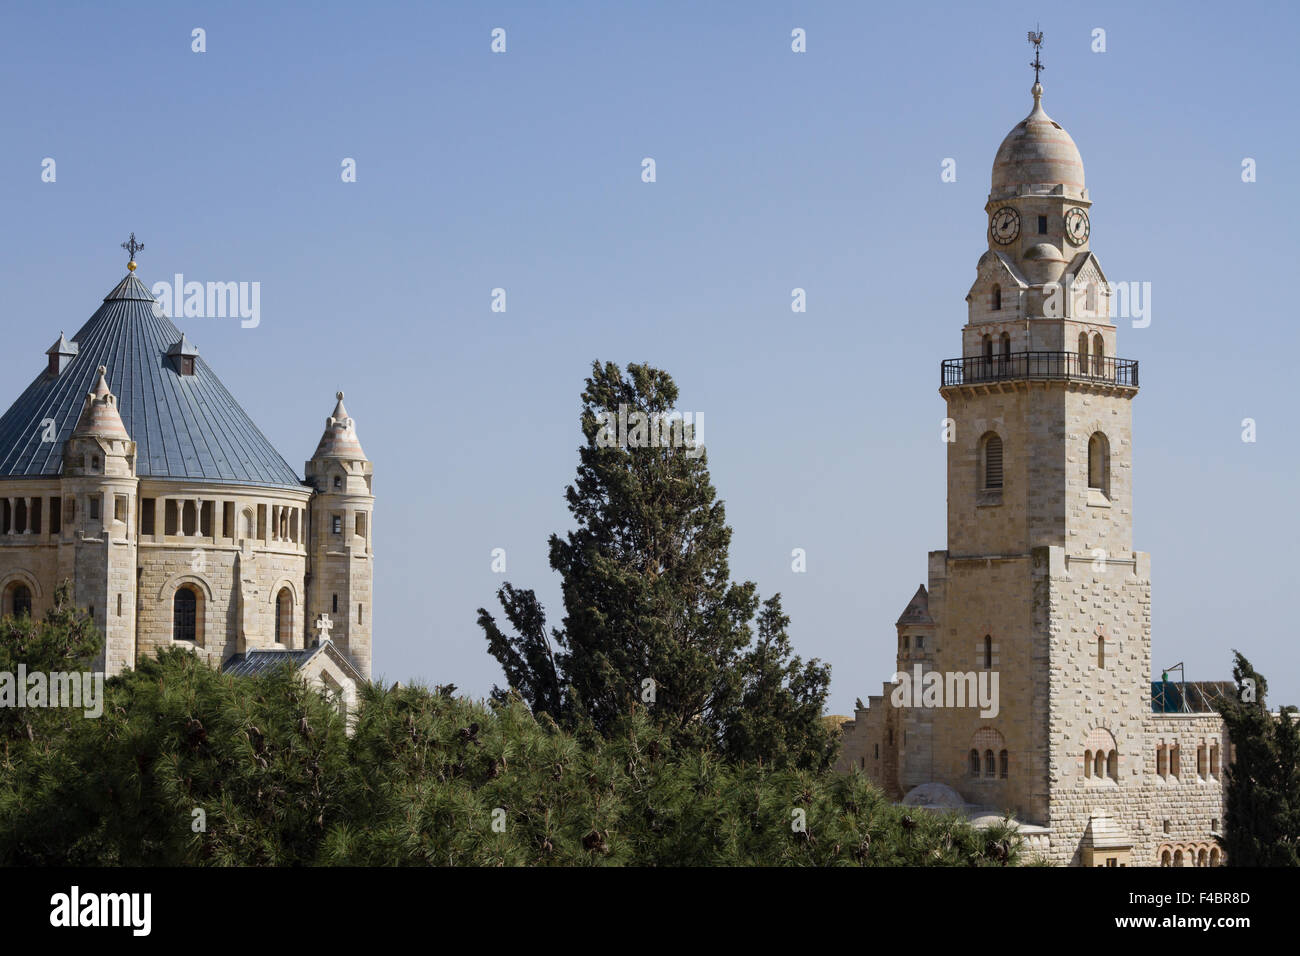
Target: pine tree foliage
x=64 y=640
x=427 y=778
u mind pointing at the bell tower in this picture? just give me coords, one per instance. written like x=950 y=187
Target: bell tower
x=1039 y=564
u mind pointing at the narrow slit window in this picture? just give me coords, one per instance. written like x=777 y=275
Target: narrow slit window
x=993 y=463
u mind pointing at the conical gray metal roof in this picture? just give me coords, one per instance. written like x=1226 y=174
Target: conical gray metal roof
x=185 y=427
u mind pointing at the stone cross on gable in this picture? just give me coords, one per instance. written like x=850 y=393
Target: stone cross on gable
x=323 y=627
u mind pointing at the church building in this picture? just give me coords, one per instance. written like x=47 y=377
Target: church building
x=1040 y=596
x=128 y=469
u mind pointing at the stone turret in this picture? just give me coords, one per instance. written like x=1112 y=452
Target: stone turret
x=342 y=559
x=99 y=508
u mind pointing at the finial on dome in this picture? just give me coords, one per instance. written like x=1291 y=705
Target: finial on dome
x=1036 y=38
x=339 y=396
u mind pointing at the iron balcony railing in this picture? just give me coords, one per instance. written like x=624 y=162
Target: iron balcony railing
x=1060 y=365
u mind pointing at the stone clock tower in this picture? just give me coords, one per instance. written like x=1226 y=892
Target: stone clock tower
x=1040 y=582
x=1039 y=595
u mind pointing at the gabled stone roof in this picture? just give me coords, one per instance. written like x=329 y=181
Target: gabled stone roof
x=1104 y=833
x=266 y=659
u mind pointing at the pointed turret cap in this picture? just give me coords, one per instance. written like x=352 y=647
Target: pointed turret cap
x=340 y=438
x=63 y=347
x=183 y=347
x=99 y=417
x=917 y=610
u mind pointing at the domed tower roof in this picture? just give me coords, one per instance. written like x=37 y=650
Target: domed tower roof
x=1037 y=152
x=99 y=417
x=340 y=438
x=185 y=426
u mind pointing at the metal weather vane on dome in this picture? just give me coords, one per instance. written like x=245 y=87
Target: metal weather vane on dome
x=132 y=247
x=1036 y=38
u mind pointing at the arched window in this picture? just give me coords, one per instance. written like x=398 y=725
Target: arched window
x=1087 y=763
x=1006 y=345
x=1202 y=858
x=1101 y=650
x=997 y=297
x=1099 y=463
x=1214 y=857
x=1178 y=858
x=991 y=456
x=987 y=343
x=1099 y=764
x=284 y=617
x=20 y=601
x=1112 y=766
x=1083 y=353
x=988 y=763
x=184 y=615
x=988 y=652
x=974 y=763
x=1165 y=858
x=1090 y=297
x=1003 y=764
x=1098 y=353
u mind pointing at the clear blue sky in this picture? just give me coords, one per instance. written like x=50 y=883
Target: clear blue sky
x=775 y=170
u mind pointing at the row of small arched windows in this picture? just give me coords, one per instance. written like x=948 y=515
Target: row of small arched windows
x=1204 y=856
x=1091 y=362
x=990 y=768
x=1089 y=300
x=1101 y=764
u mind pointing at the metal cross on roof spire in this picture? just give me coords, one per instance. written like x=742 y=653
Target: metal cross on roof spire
x=1036 y=38
x=132 y=247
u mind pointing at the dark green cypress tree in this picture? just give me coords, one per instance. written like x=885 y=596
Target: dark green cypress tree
x=652 y=617
x=1262 y=818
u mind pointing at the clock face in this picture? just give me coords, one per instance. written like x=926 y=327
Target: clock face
x=1005 y=225
x=1076 y=226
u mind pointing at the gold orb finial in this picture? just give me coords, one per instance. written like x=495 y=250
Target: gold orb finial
x=131 y=266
